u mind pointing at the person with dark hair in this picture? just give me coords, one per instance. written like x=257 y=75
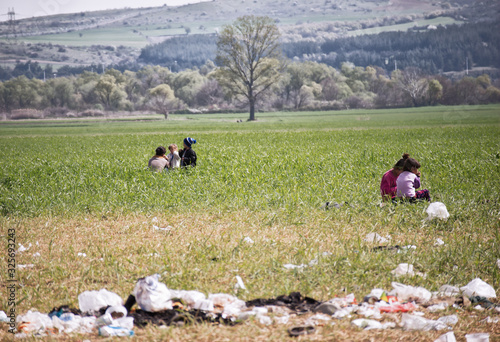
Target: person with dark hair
x=409 y=180
x=159 y=161
x=388 y=185
x=188 y=155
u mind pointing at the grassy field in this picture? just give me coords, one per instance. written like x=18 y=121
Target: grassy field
x=71 y=187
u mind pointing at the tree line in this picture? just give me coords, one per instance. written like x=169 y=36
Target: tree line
x=302 y=86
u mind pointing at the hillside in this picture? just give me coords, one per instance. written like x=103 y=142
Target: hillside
x=116 y=36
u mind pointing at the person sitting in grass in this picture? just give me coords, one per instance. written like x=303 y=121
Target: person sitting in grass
x=159 y=161
x=173 y=157
x=188 y=155
x=409 y=180
x=388 y=184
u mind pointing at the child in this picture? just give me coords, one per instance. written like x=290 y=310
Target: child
x=409 y=180
x=159 y=161
x=388 y=184
x=173 y=157
x=188 y=156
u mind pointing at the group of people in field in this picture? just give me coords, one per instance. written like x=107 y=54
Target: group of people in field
x=402 y=181
x=175 y=159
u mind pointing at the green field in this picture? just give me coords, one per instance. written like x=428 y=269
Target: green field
x=83 y=186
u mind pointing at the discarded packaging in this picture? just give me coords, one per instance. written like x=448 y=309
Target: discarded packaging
x=151 y=295
x=110 y=330
x=368 y=324
x=437 y=210
x=407 y=307
x=374 y=237
x=477 y=287
x=69 y=323
x=449 y=291
x=117 y=311
x=437 y=307
x=89 y=301
x=404 y=292
x=33 y=322
x=439 y=242
x=478 y=337
x=406 y=269
x=239 y=283
x=3 y=317
x=412 y=322
x=448 y=337
x=248 y=240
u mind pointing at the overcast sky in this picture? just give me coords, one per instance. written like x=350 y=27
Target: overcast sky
x=30 y=8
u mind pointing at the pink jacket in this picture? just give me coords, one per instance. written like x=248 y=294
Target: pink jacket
x=388 y=184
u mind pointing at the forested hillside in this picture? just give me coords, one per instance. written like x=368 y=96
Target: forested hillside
x=433 y=50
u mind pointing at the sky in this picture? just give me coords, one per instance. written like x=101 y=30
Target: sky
x=35 y=8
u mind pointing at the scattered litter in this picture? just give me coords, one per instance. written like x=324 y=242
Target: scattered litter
x=239 y=283
x=92 y=301
x=437 y=307
x=448 y=290
x=248 y=240
x=498 y=263
x=406 y=269
x=477 y=287
x=405 y=292
x=327 y=308
x=110 y=330
x=116 y=311
x=318 y=319
x=329 y=205
x=154 y=219
x=83 y=255
x=486 y=320
x=375 y=237
x=413 y=322
x=407 y=307
x=33 y=322
x=25 y=266
x=22 y=248
x=36 y=254
x=151 y=295
x=437 y=210
x=449 y=320
x=478 y=337
x=166 y=229
x=439 y=242
x=478 y=308
x=448 y=337
x=368 y=324
x=70 y=323
x=3 y=317
x=301 y=330
x=292 y=266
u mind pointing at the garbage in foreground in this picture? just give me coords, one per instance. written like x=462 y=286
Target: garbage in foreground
x=92 y=301
x=22 y=248
x=368 y=324
x=406 y=269
x=437 y=210
x=438 y=242
x=478 y=337
x=448 y=337
x=3 y=317
x=405 y=292
x=413 y=322
x=375 y=237
x=477 y=287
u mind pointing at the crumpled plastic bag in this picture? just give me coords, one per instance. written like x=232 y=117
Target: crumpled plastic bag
x=368 y=324
x=477 y=287
x=151 y=295
x=405 y=269
x=437 y=210
x=375 y=237
x=34 y=322
x=229 y=305
x=69 y=323
x=404 y=292
x=94 y=300
x=412 y=322
x=448 y=337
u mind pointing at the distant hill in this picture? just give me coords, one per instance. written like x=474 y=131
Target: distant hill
x=117 y=36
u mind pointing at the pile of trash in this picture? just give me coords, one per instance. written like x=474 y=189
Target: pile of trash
x=105 y=312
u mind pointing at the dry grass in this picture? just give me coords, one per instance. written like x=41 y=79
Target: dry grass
x=120 y=249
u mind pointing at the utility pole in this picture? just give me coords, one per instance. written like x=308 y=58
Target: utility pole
x=467 y=66
x=12 y=21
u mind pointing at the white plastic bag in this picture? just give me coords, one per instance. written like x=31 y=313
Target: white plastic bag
x=375 y=237
x=34 y=322
x=448 y=337
x=117 y=311
x=110 y=330
x=94 y=300
x=448 y=290
x=151 y=295
x=478 y=337
x=412 y=322
x=368 y=324
x=437 y=210
x=404 y=292
x=477 y=287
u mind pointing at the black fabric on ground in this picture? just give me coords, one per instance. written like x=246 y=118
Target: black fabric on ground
x=173 y=317
x=295 y=301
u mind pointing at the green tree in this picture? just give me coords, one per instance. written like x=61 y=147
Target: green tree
x=162 y=100
x=249 y=56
